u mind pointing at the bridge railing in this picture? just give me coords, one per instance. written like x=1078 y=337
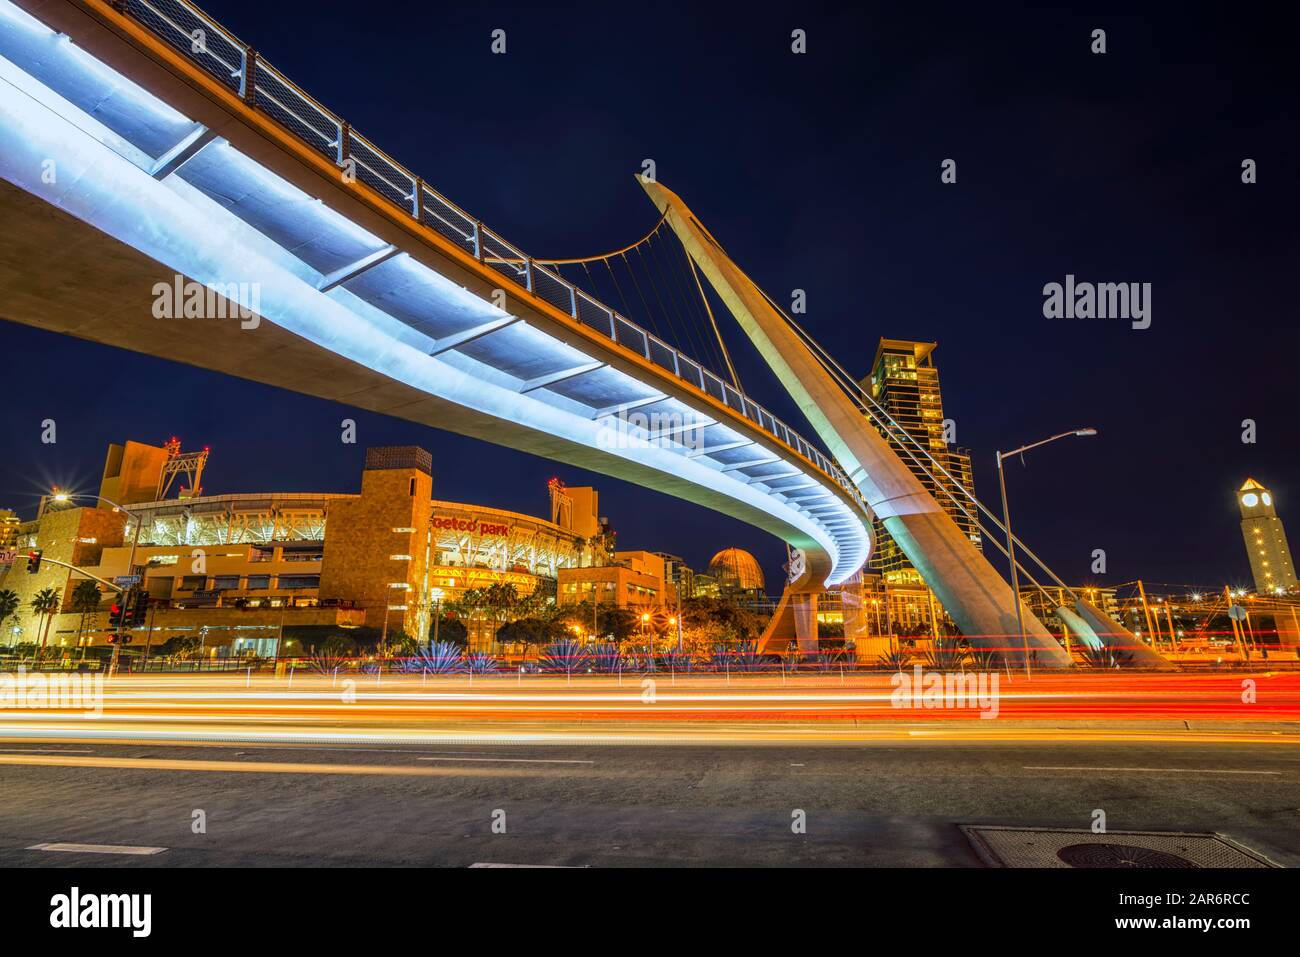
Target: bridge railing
x=241 y=69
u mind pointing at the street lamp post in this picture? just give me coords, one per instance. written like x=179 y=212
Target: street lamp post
x=677 y=620
x=1011 y=541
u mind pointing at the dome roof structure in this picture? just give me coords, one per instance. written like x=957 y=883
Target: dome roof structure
x=736 y=569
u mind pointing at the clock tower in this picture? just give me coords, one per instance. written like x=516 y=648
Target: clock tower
x=1270 y=558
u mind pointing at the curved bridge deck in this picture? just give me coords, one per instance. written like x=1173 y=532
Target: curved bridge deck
x=181 y=155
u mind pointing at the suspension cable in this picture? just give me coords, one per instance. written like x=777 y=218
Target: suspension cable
x=681 y=277
x=616 y=285
x=609 y=255
x=735 y=380
x=637 y=286
x=876 y=412
x=659 y=269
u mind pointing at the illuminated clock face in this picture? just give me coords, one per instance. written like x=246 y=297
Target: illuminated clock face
x=1250 y=500
x=1266 y=498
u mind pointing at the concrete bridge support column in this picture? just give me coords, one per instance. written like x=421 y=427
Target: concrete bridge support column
x=793 y=625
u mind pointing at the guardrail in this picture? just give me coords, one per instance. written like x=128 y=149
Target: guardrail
x=245 y=72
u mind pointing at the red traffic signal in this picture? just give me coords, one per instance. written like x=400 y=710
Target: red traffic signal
x=34 y=560
x=115 y=614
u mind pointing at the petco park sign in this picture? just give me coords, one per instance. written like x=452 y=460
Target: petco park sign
x=472 y=525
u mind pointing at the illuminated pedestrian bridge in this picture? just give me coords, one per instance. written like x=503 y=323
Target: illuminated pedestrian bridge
x=166 y=190
x=151 y=153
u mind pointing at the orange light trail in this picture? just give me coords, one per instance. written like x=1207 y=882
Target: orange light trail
x=665 y=709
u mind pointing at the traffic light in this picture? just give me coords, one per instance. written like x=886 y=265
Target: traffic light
x=34 y=560
x=139 y=610
x=115 y=614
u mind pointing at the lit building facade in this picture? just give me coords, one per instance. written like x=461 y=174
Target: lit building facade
x=1265 y=539
x=634 y=580
x=235 y=570
x=905 y=382
x=9 y=524
x=679 y=576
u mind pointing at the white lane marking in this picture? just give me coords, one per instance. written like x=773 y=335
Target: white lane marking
x=1153 y=770
x=796 y=765
x=98 y=849
x=564 y=867
x=46 y=751
x=514 y=760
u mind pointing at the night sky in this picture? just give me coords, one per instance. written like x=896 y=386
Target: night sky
x=819 y=172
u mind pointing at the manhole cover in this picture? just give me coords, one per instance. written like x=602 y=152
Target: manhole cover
x=1118 y=855
x=1063 y=847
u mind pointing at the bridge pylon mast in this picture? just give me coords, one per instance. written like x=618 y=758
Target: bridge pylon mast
x=974 y=594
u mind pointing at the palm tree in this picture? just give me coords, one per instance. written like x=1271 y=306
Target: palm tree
x=499 y=600
x=46 y=603
x=85 y=601
x=8 y=605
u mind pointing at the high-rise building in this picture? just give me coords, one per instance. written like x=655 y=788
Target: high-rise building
x=9 y=522
x=1270 y=558
x=679 y=575
x=905 y=382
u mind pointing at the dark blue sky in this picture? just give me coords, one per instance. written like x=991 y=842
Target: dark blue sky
x=820 y=172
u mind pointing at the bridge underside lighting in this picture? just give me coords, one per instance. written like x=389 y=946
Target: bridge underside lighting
x=96 y=145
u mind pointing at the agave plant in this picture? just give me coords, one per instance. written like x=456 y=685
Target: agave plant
x=564 y=657
x=480 y=663
x=606 y=659
x=679 y=661
x=743 y=657
x=325 y=663
x=984 y=659
x=439 y=658
x=896 y=660
x=826 y=660
x=946 y=654
x=1103 y=657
